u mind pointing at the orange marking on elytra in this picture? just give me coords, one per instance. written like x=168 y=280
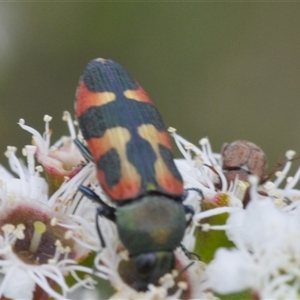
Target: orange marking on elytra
x=130 y=181
x=138 y=95
x=164 y=139
x=164 y=177
x=86 y=98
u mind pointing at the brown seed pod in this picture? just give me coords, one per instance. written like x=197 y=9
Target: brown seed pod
x=241 y=159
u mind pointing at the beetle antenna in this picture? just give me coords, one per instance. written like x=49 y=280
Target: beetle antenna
x=199 y=191
x=190 y=254
x=85 y=152
x=184 y=269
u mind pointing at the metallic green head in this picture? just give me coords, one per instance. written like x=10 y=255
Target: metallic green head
x=146 y=268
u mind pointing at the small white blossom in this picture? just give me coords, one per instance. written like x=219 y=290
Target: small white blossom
x=267 y=241
x=32 y=245
x=265 y=233
x=62 y=160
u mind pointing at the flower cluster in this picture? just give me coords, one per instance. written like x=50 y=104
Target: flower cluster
x=44 y=234
x=245 y=227
x=261 y=250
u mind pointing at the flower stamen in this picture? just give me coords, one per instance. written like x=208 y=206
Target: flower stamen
x=39 y=229
x=48 y=131
x=67 y=118
x=29 y=153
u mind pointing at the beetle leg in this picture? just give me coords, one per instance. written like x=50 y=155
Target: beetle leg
x=84 y=150
x=189 y=254
x=98 y=213
x=189 y=210
x=186 y=193
x=199 y=191
x=104 y=209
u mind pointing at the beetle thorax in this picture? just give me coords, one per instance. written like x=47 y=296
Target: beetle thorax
x=151 y=223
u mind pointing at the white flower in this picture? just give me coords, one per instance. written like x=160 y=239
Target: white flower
x=267 y=253
x=25 y=286
x=61 y=160
x=287 y=194
x=202 y=169
x=42 y=239
x=266 y=233
x=230 y=271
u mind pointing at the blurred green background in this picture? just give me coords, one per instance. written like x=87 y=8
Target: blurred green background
x=223 y=70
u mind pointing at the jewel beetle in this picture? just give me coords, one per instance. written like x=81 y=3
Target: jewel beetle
x=131 y=149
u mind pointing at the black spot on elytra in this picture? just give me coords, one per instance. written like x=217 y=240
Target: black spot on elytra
x=121 y=112
x=92 y=123
x=110 y=164
x=141 y=154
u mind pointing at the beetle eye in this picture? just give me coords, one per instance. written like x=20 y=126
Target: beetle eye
x=145 y=263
